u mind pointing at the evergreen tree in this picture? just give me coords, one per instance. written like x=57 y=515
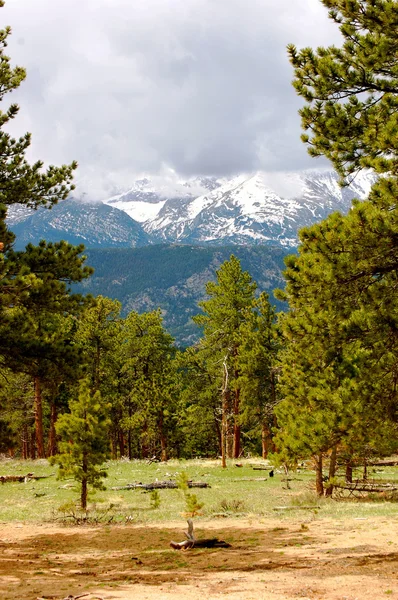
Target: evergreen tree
x=98 y=334
x=351 y=91
x=34 y=284
x=149 y=372
x=258 y=372
x=230 y=298
x=200 y=415
x=339 y=367
x=84 y=442
x=16 y=410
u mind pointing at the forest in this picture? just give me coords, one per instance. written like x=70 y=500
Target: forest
x=80 y=383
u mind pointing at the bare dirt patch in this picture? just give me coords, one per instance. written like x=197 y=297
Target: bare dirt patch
x=270 y=560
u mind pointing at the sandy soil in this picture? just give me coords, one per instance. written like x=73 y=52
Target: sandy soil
x=271 y=560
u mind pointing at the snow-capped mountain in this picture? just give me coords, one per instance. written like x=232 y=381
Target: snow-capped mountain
x=258 y=208
x=147 y=196
x=92 y=224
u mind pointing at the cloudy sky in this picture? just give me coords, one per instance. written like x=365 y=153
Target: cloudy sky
x=128 y=87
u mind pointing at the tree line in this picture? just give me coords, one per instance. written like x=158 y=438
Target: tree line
x=318 y=381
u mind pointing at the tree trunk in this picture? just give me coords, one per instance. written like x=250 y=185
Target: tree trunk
x=332 y=471
x=237 y=427
x=83 y=497
x=348 y=471
x=224 y=423
x=52 y=436
x=318 y=460
x=224 y=435
x=218 y=433
x=38 y=410
x=365 y=470
x=230 y=432
x=129 y=440
x=266 y=439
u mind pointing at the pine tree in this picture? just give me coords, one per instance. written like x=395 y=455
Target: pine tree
x=230 y=297
x=339 y=365
x=34 y=284
x=351 y=91
x=258 y=371
x=84 y=442
x=200 y=415
x=149 y=372
x=339 y=362
x=98 y=334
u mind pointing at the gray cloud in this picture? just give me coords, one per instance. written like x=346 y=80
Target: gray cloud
x=126 y=87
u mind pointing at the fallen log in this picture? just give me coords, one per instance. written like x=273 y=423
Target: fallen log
x=263 y=468
x=22 y=478
x=383 y=463
x=160 y=485
x=192 y=542
x=296 y=508
x=367 y=487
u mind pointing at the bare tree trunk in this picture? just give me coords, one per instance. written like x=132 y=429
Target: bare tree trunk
x=318 y=460
x=38 y=410
x=224 y=423
x=332 y=471
x=52 y=436
x=237 y=427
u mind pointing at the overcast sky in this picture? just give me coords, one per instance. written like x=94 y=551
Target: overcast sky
x=128 y=87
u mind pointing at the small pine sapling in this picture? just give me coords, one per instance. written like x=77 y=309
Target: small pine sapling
x=84 y=444
x=193 y=506
x=155 y=499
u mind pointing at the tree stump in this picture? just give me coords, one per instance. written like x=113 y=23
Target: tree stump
x=192 y=542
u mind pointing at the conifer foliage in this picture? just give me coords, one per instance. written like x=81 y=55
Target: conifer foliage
x=232 y=328
x=351 y=91
x=34 y=284
x=84 y=444
x=339 y=364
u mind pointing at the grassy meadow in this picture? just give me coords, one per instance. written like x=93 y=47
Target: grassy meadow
x=234 y=492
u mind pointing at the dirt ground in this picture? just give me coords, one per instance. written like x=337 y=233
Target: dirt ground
x=290 y=559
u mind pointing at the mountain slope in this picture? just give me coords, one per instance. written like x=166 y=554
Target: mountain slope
x=94 y=225
x=173 y=278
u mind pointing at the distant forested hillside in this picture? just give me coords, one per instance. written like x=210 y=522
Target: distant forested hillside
x=173 y=277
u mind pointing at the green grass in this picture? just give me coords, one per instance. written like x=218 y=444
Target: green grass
x=235 y=492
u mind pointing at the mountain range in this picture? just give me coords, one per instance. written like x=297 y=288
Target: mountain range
x=259 y=208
